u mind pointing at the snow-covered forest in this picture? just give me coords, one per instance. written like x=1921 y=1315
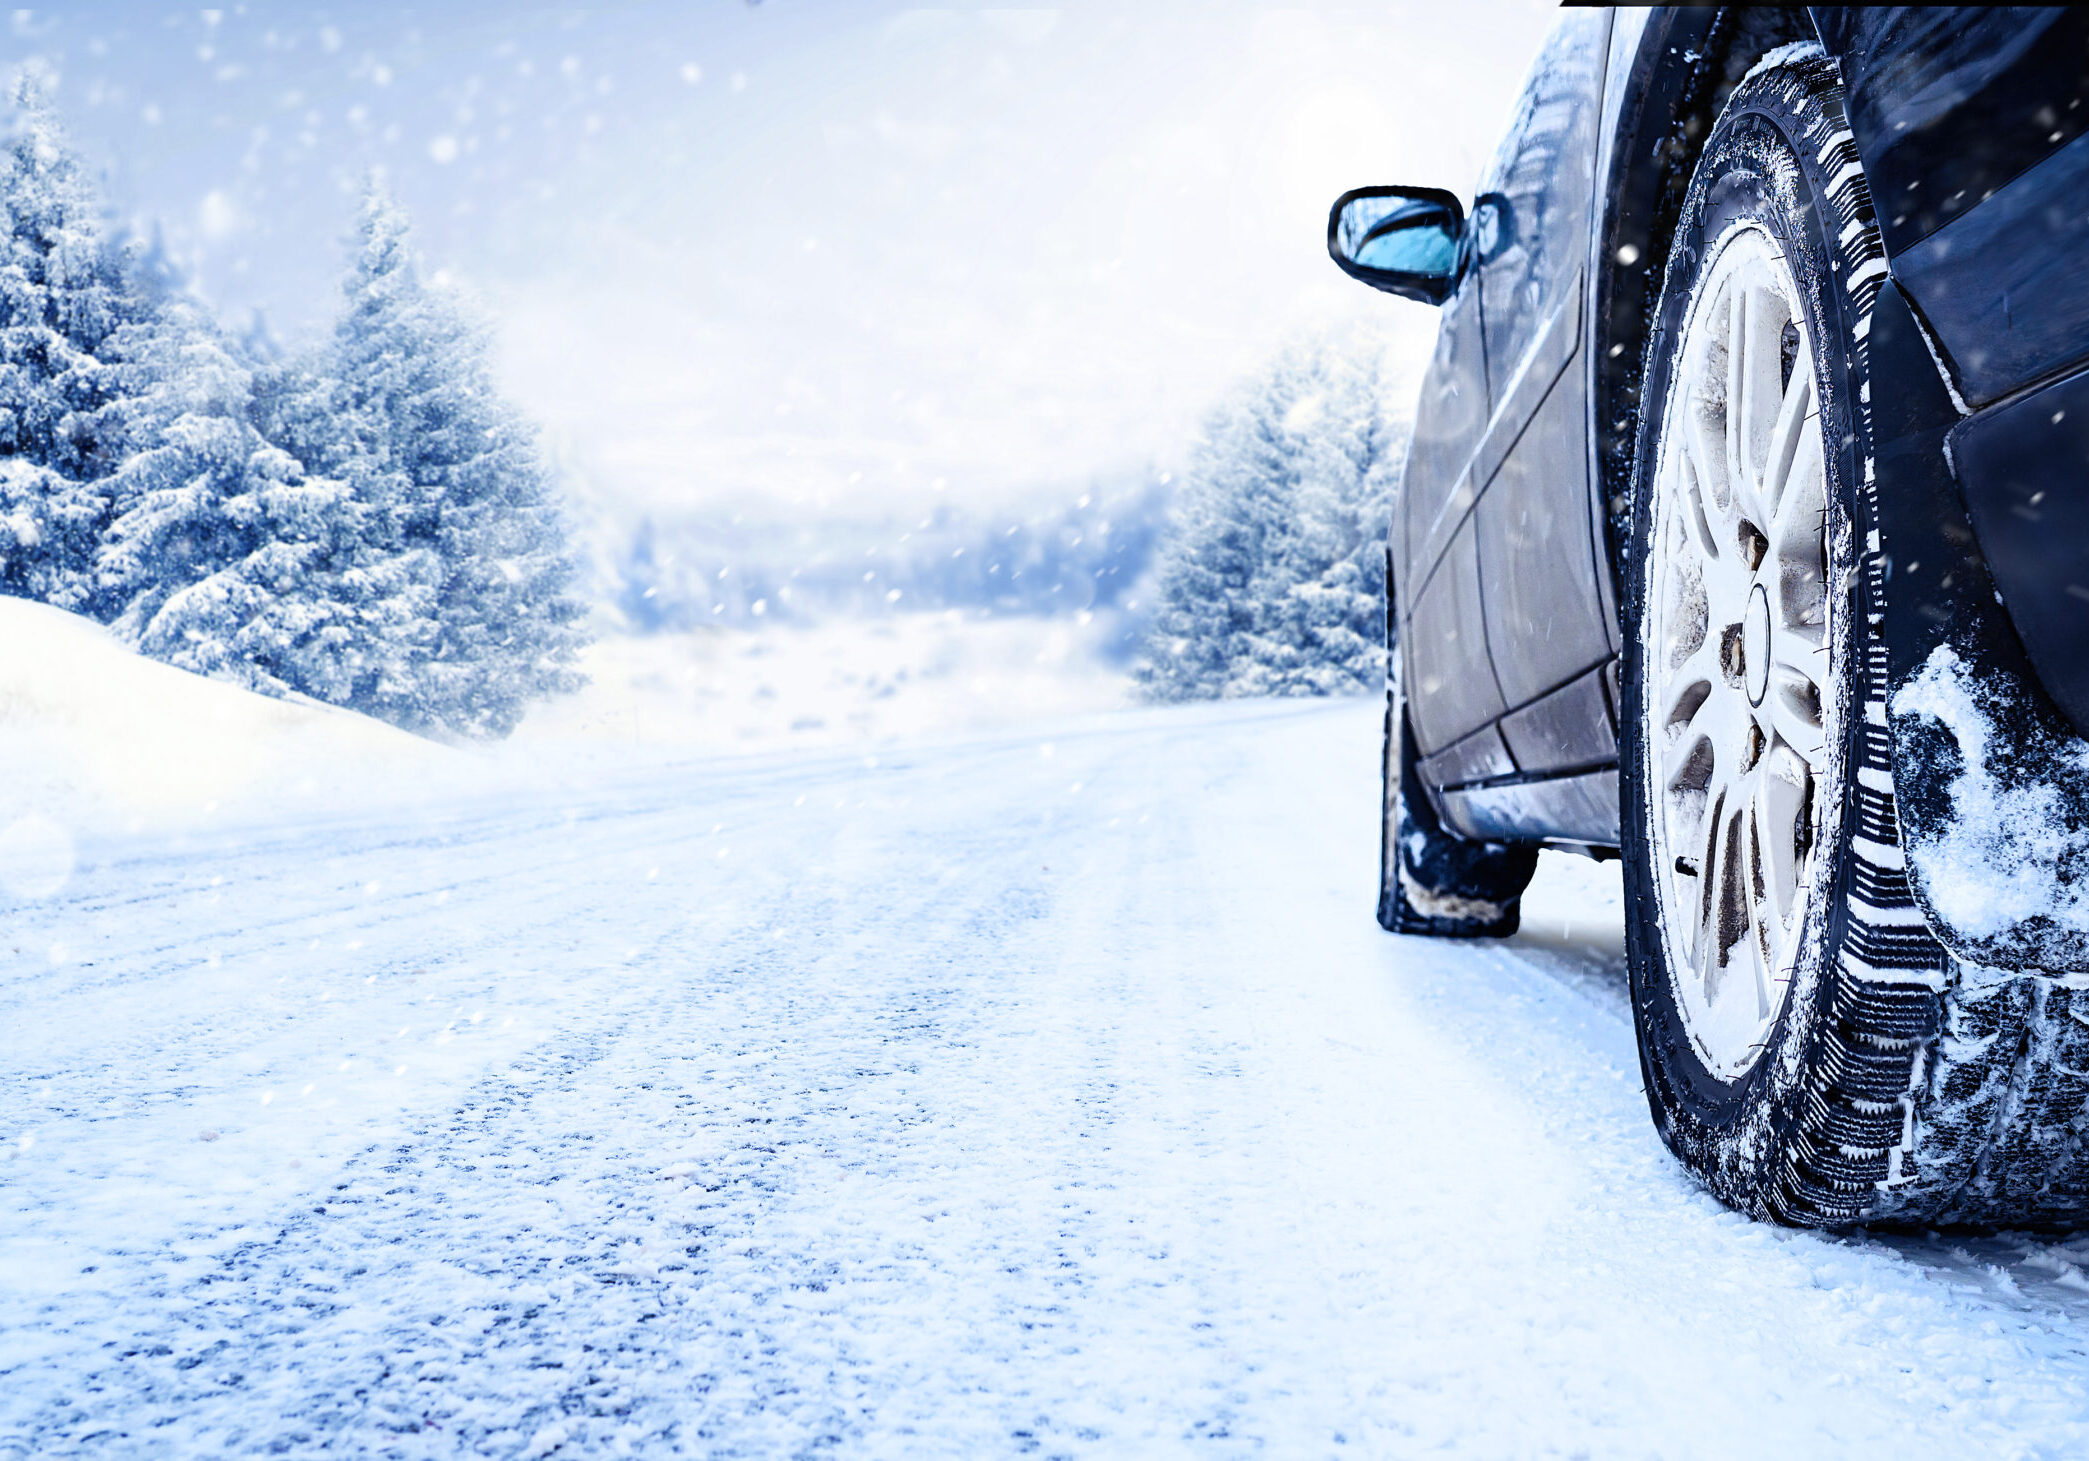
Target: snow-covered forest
x=366 y=523
x=1259 y=571
x=1272 y=579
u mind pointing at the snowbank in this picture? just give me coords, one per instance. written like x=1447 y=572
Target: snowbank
x=98 y=739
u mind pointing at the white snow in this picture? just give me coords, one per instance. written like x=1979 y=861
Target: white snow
x=2008 y=854
x=1792 y=53
x=97 y=738
x=1044 y=1090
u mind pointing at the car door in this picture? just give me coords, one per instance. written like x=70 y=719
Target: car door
x=1448 y=681
x=1540 y=568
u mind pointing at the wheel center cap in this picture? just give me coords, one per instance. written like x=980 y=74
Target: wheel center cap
x=1755 y=646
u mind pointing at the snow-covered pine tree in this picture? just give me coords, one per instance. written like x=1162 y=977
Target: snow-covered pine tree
x=1354 y=449
x=353 y=610
x=64 y=294
x=1210 y=636
x=452 y=478
x=1273 y=577
x=375 y=530
x=187 y=448
x=226 y=554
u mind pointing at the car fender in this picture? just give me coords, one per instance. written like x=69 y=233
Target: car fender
x=1990 y=776
x=1990 y=781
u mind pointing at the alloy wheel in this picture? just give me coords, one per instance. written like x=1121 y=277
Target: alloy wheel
x=1741 y=698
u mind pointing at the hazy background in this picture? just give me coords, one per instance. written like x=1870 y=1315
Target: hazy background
x=805 y=254
x=800 y=285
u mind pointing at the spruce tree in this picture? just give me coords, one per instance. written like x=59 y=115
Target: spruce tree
x=64 y=296
x=458 y=497
x=1215 y=562
x=352 y=611
x=186 y=450
x=1353 y=452
x=373 y=527
x=1272 y=580
x=227 y=555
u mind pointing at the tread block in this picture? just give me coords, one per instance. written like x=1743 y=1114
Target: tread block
x=1835 y=1123
x=1867 y=1073
x=1893 y=946
x=1886 y=1012
x=1843 y=1171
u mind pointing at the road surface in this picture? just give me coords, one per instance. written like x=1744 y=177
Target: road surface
x=1044 y=1094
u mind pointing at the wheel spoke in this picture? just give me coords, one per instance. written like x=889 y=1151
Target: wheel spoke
x=1726 y=909
x=1794 y=708
x=1689 y=685
x=1795 y=527
x=1793 y=715
x=1786 y=439
x=1710 y=495
x=1714 y=535
x=1711 y=872
x=1691 y=763
x=1734 y=319
x=1798 y=613
x=1746 y=404
x=1688 y=875
x=1762 y=958
x=1780 y=803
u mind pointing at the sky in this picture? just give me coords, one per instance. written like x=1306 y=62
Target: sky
x=805 y=256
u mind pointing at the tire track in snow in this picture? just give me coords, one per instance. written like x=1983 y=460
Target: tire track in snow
x=976 y=1115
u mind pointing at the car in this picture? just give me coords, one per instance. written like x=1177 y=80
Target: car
x=1744 y=536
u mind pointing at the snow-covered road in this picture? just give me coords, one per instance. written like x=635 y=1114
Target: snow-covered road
x=1020 y=1095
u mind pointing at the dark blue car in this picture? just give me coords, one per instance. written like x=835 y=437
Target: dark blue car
x=1745 y=536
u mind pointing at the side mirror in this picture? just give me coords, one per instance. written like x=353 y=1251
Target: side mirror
x=1406 y=241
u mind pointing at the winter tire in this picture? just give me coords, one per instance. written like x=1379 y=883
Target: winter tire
x=1430 y=881
x=1809 y=1049
x=1785 y=988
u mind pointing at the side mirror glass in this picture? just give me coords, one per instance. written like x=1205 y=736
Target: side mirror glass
x=1406 y=241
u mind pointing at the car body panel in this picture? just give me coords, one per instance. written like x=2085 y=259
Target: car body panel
x=1442 y=613
x=1974 y=129
x=1955 y=766
x=1572 y=728
x=1581 y=810
x=1504 y=498
x=1542 y=182
x=2024 y=467
x=1949 y=104
x=2004 y=287
x=1481 y=756
x=1537 y=565
x=2004 y=290
x=1449 y=680
x=1540 y=562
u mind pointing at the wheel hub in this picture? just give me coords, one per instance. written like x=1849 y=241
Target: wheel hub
x=1738 y=679
x=1755 y=646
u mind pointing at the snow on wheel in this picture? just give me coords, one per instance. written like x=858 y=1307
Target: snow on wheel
x=1785 y=989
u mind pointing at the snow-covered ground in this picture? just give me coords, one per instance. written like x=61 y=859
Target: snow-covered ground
x=1038 y=1091
x=95 y=737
